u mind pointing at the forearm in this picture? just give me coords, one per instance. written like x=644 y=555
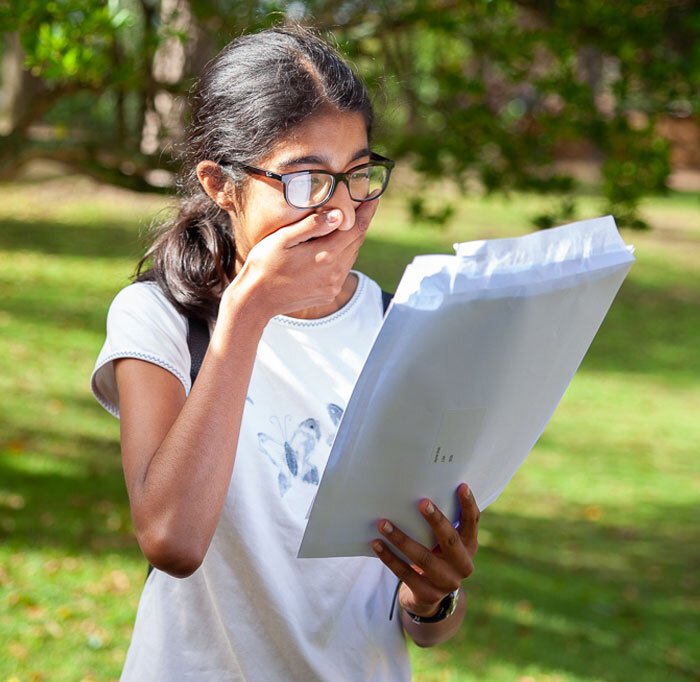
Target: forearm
x=177 y=492
x=432 y=634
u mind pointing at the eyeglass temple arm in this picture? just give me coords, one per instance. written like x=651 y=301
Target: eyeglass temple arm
x=254 y=170
x=382 y=159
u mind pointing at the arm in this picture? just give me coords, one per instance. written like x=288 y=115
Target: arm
x=178 y=454
x=432 y=574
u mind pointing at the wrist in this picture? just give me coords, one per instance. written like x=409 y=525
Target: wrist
x=442 y=611
x=423 y=610
x=243 y=300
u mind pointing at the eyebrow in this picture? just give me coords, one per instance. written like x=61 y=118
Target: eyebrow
x=312 y=158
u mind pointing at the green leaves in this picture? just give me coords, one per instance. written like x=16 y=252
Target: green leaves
x=503 y=90
x=69 y=41
x=498 y=91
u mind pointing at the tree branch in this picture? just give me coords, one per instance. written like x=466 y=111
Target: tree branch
x=111 y=166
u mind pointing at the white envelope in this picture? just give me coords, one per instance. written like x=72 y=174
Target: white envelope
x=473 y=357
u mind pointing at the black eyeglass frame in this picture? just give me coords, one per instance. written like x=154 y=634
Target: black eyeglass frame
x=286 y=178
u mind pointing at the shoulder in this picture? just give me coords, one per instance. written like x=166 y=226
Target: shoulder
x=142 y=308
x=143 y=297
x=141 y=324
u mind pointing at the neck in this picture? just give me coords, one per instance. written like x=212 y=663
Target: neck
x=315 y=313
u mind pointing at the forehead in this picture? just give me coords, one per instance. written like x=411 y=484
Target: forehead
x=330 y=137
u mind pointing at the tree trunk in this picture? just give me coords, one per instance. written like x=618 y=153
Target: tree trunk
x=21 y=92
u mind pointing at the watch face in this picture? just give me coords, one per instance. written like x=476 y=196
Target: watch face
x=453 y=603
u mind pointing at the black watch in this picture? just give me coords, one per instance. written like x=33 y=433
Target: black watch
x=445 y=610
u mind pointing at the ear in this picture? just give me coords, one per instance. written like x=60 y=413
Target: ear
x=215 y=184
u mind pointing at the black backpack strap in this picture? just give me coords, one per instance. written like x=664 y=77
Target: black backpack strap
x=197 y=343
x=386 y=299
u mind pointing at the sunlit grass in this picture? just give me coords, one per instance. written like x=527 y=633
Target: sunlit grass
x=589 y=562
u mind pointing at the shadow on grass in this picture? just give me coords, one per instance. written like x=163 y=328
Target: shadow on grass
x=58 y=309
x=104 y=240
x=78 y=504
x=599 y=601
x=649 y=330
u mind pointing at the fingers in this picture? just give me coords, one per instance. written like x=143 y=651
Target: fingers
x=327 y=222
x=364 y=214
x=443 y=571
x=452 y=558
x=349 y=240
x=424 y=590
x=431 y=575
x=312 y=226
x=339 y=248
x=468 y=518
x=449 y=540
x=311 y=258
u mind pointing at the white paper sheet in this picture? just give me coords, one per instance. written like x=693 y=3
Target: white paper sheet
x=473 y=357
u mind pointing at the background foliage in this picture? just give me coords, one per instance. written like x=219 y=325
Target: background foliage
x=492 y=91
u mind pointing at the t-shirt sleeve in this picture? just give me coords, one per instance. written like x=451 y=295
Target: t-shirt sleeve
x=141 y=324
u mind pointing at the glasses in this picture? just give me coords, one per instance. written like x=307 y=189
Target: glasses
x=313 y=188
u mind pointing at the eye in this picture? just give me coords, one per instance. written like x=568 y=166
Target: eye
x=308 y=189
x=360 y=175
x=316 y=180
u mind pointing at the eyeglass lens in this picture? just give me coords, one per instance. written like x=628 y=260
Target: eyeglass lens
x=310 y=189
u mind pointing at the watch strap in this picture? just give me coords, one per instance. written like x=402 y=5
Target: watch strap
x=445 y=610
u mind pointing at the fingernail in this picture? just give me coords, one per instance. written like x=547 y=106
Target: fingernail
x=387 y=527
x=334 y=216
x=429 y=508
x=378 y=547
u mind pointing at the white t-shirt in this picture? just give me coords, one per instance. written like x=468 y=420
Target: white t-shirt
x=253 y=611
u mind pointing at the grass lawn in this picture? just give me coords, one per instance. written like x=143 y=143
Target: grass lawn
x=589 y=567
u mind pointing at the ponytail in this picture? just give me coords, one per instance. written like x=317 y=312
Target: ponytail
x=193 y=258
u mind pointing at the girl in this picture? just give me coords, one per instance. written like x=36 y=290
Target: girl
x=280 y=187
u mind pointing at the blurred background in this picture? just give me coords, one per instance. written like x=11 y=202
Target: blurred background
x=504 y=116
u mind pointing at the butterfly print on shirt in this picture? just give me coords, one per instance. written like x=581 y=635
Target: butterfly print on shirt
x=335 y=413
x=292 y=453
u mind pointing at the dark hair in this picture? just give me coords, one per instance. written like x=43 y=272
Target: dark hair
x=253 y=93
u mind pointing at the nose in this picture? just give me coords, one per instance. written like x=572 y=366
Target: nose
x=340 y=201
